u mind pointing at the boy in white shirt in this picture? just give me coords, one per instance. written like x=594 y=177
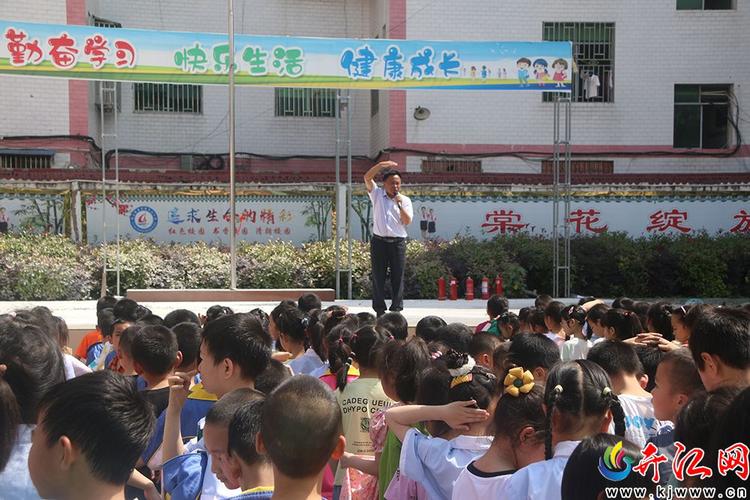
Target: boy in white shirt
x=621 y=363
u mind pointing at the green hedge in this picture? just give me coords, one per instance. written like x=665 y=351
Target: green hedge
x=34 y=267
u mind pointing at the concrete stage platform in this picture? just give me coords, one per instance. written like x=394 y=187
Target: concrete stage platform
x=81 y=315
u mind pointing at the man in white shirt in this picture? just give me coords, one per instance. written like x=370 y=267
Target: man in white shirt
x=392 y=213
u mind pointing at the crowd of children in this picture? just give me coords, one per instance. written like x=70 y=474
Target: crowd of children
x=311 y=402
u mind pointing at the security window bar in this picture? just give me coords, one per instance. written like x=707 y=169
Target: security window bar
x=168 y=98
x=701 y=116
x=449 y=165
x=313 y=103
x=25 y=161
x=705 y=4
x=104 y=23
x=594 y=54
x=579 y=167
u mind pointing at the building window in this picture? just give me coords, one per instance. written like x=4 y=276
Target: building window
x=314 y=103
x=586 y=167
x=450 y=165
x=26 y=158
x=594 y=54
x=705 y=4
x=701 y=116
x=168 y=98
x=104 y=23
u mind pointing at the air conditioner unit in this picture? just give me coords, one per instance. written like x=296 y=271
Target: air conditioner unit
x=107 y=95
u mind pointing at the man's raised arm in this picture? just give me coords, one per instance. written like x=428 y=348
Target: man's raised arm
x=370 y=175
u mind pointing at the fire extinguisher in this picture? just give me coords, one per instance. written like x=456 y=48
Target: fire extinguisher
x=441 y=288
x=454 y=289
x=469 y=288
x=485 y=288
x=499 y=285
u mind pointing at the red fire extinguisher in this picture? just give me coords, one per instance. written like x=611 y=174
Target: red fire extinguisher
x=469 y=288
x=485 y=288
x=499 y=285
x=441 y=288
x=454 y=289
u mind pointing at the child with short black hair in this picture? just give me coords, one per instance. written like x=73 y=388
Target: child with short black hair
x=273 y=376
x=178 y=316
x=457 y=336
x=309 y=302
x=594 y=317
x=720 y=344
x=96 y=454
x=581 y=482
x=621 y=363
x=187 y=475
x=94 y=337
x=482 y=348
x=300 y=443
x=256 y=472
x=436 y=461
x=579 y=403
x=155 y=356
x=733 y=428
x=520 y=428
x=428 y=326
x=395 y=323
x=676 y=382
x=535 y=352
x=234 y=351
x=536 y=321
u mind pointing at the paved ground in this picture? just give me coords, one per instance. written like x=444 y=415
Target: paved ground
x=81 y=315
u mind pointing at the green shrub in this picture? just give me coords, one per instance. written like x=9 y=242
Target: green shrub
x=38 y=267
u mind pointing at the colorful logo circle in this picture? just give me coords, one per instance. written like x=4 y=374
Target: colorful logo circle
x=614 y=465
x=144 y=219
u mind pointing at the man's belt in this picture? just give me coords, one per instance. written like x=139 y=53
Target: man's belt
x=388 y=239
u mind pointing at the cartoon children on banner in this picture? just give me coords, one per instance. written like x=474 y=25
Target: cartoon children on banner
x=540 y=72
x=523 y=66
x=4 y=221
x=560 y=65
x=427 y=223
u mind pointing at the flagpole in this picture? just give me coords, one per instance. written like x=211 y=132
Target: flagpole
x=232 y=211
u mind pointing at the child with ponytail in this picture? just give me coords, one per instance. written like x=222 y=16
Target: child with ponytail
x=292 y=325
x=577 y=347
x=30 y=365
x=466 y=394
x=359 y=400
x=519 y=438
x=579 y=403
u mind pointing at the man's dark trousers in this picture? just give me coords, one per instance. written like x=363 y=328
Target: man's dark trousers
x=387 y=253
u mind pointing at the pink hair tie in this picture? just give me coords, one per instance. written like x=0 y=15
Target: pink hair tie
x=436 y=355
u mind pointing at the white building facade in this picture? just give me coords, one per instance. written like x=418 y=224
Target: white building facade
x=673 y=93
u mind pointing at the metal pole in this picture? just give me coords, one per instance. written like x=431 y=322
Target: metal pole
x=337 y=194
x=556 y=199
x=117 y=191
x=233 y=224
x=349 y=189
x=568 y=187
x=104 y=193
